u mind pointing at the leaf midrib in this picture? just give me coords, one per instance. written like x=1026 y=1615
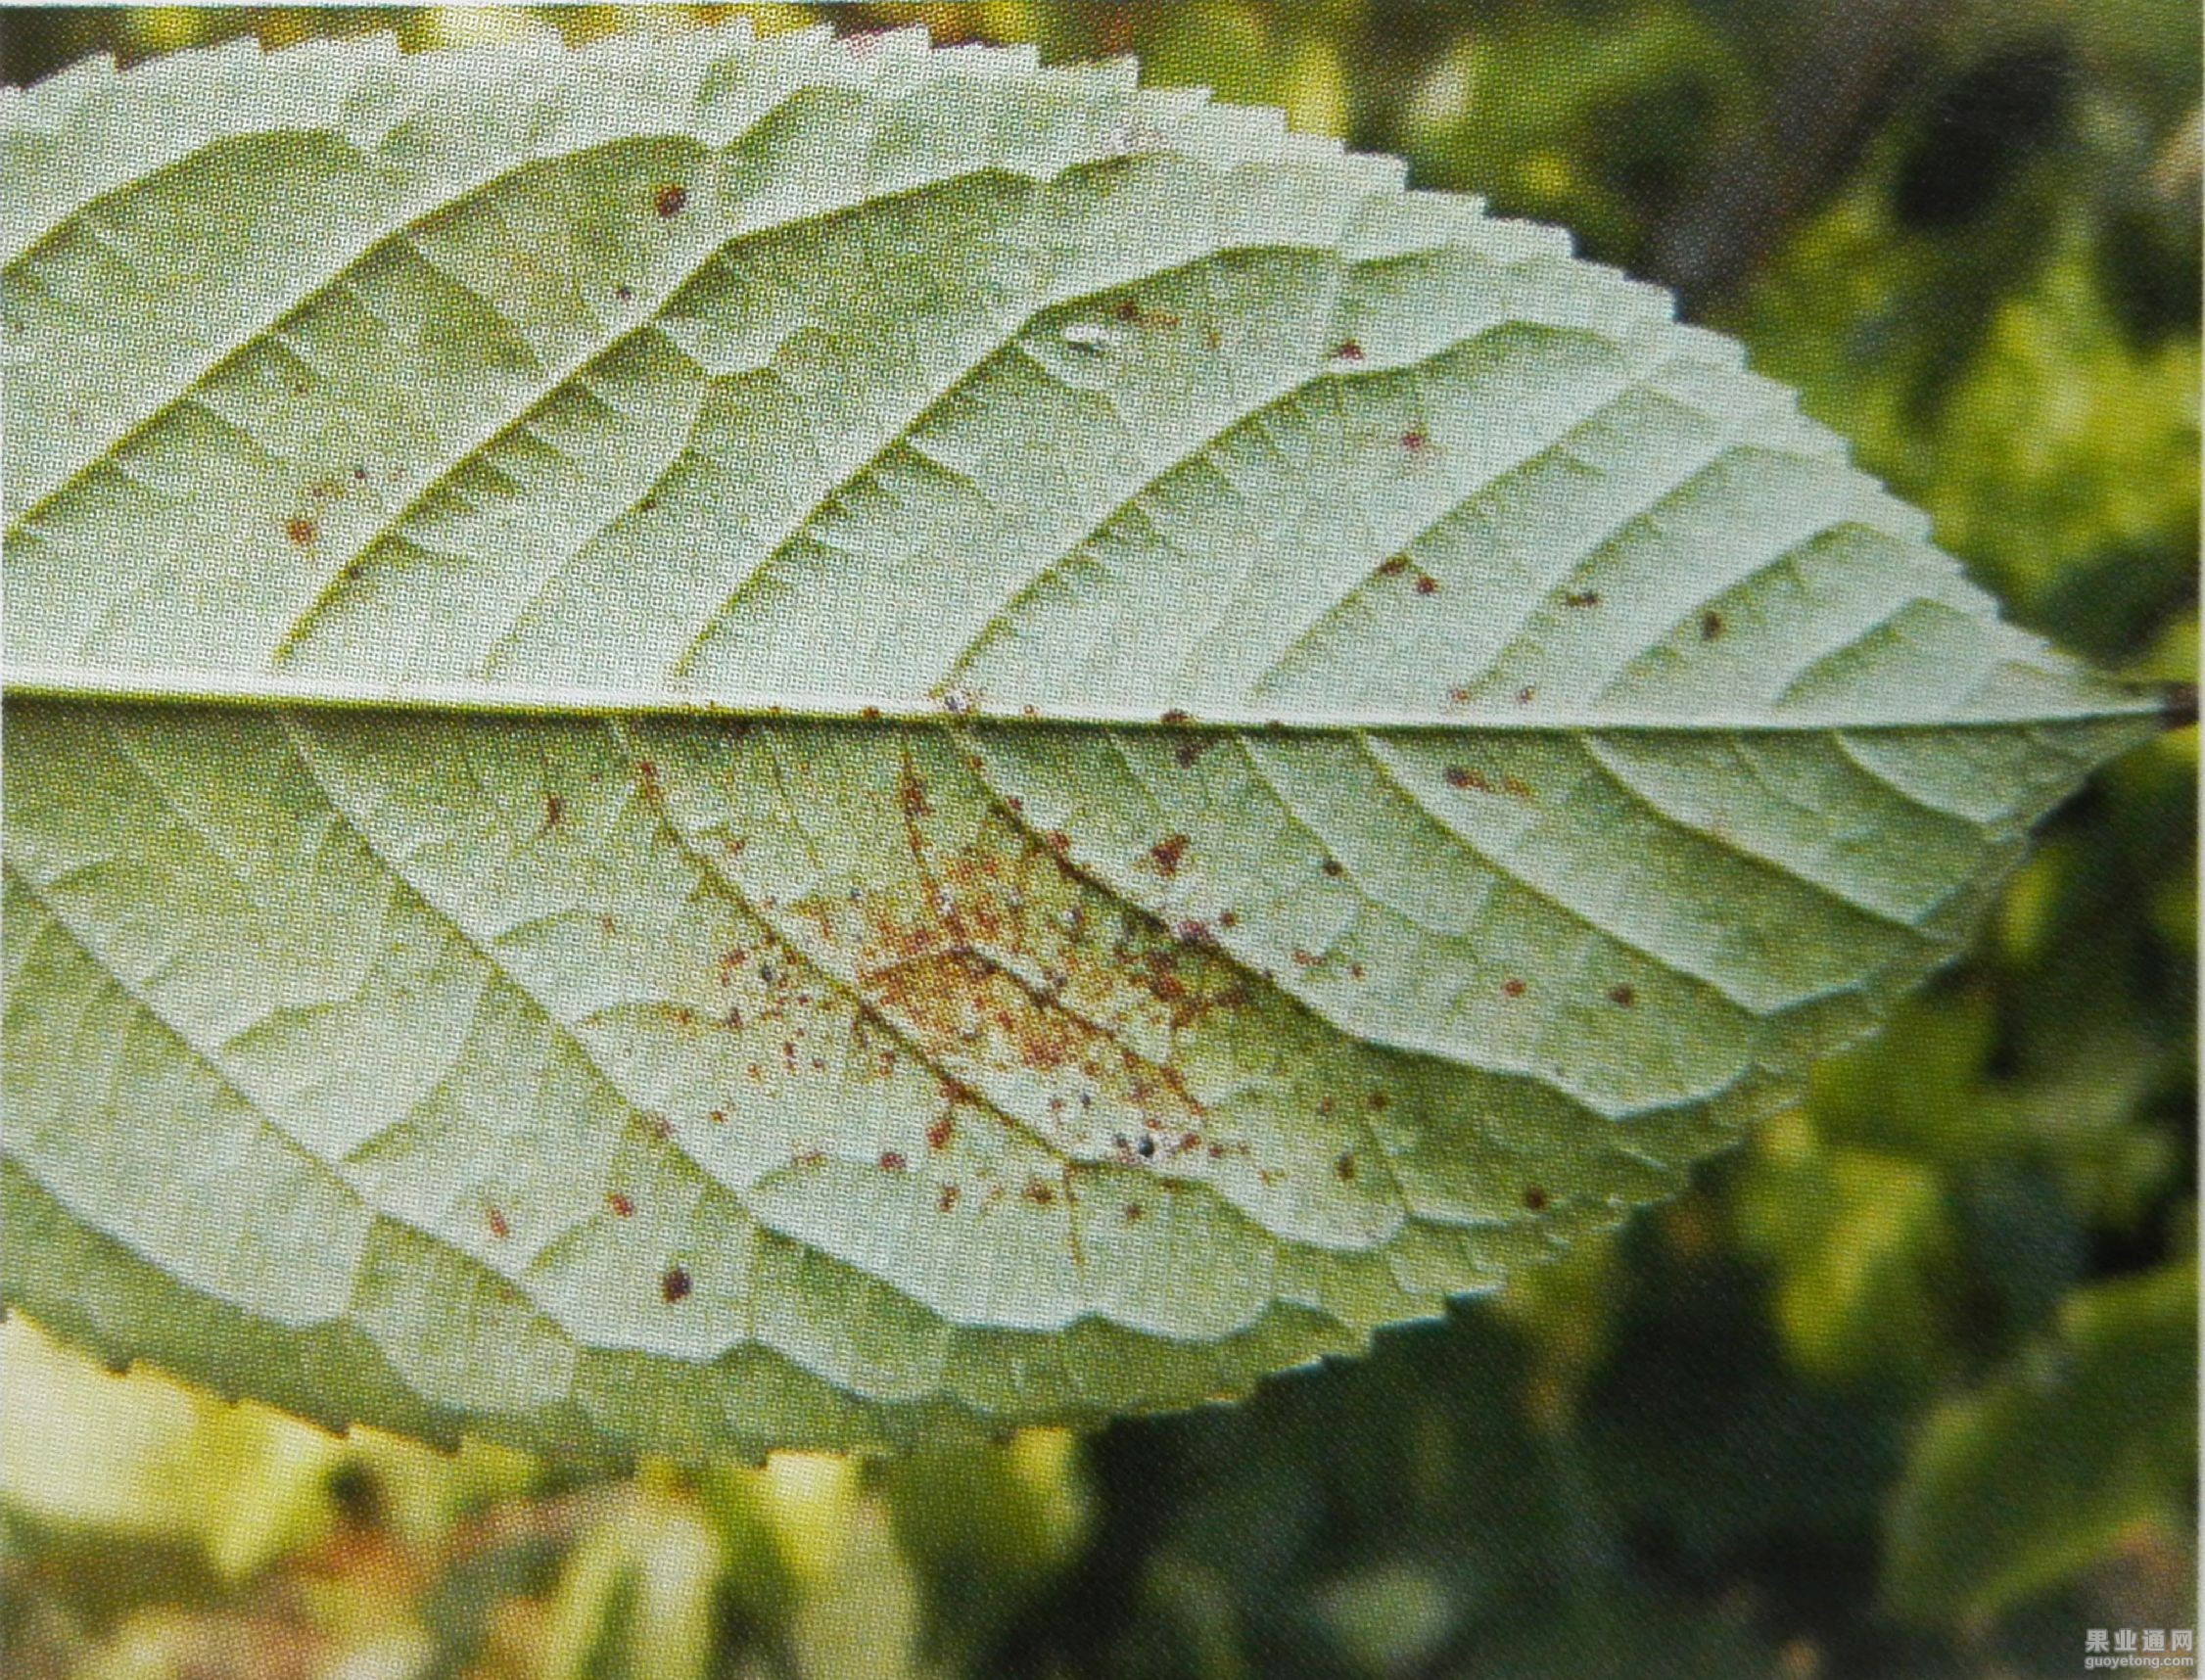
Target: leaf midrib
x=140 y=686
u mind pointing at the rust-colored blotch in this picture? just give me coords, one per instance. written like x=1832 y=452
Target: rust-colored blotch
x=671 y=200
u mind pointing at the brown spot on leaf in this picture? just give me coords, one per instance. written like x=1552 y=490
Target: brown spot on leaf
x=939 y=1134
x=1169 y=853
x=620 y=1204
x=1177 y=714
x=498 y=1228
x=675 y=1286
x=1040 y=1191
x=671 y=199
x=301 y=531
x=892 y=1161
x=947 y=1199
x=1625 y=996
x=1582 y=598
x=1513 y=987
x=1135 y=315
x=911 y=793
x=1710 y=626
x=1394 y=567
x=1134 y=1212
x=1515 y=789
x=1344 y=1167
x=1462 y=777
x=1347 y=350
x=1525 y=695
x=1536 y=1200
x=1427 y=583
x=1334 y=867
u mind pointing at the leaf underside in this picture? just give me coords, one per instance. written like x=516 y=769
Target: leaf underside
x=718 y=745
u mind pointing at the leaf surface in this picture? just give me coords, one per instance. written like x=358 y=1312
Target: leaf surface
x=724 y=744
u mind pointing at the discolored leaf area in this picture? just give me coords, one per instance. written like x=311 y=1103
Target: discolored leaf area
x=721 y=744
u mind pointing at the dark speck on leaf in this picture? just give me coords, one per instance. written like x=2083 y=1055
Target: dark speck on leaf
x=671 y=200
x=1335 y=868
x=1536 y=1200
x=675 y=1286
x=1582 y=598
x=1710 y=626
x=1177 y=716
x=892 y=1161
x=300 y=529
x=1623 y=996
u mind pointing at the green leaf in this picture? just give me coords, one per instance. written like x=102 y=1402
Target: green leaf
x=2047 y=1468
x=718 y=745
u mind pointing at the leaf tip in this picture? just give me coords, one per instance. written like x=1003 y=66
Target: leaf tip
x=2177 y=706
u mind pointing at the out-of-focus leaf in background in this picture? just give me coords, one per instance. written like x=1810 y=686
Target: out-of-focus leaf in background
x=1905 y=1388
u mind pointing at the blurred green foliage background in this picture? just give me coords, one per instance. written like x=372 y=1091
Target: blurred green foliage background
x=1906 y=1387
